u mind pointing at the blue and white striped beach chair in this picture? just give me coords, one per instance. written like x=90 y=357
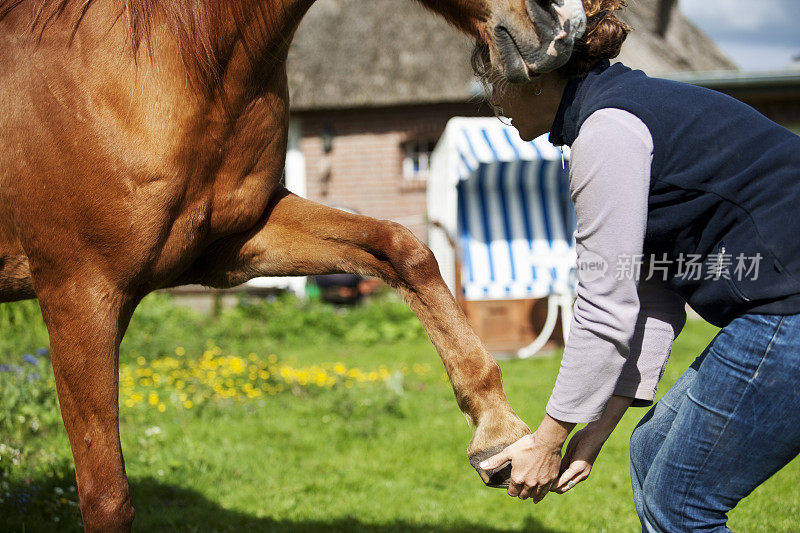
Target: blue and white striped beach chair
x=507 y=203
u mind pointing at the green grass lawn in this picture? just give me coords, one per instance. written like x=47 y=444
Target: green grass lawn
x=378 y=456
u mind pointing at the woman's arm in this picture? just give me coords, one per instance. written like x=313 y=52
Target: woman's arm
x=609 y=184
x=661 y=318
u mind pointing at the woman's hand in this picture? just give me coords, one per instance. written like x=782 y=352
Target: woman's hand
x=582 y=451
x=535 y=460
x=585 y=445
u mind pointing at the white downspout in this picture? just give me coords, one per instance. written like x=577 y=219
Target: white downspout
x=295 y=161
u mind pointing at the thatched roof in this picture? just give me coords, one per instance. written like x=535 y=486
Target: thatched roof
x=352 y=53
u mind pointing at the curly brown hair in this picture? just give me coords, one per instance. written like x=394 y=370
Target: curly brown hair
x=603 y=39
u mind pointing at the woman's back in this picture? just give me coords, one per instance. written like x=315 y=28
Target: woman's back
x=721 y=172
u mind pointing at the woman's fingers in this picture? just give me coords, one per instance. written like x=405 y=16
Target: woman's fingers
x=577 y=472
x=524 y=492
x=496 y=461
x=539 y=493
x=570 y=473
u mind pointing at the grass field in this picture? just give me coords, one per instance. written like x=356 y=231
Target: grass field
x=346 y=425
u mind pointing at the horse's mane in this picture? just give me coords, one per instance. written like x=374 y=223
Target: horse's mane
x=194 y=24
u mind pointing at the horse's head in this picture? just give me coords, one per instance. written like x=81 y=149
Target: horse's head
x=522 y=37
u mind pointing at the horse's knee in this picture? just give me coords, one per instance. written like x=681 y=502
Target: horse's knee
x=409 y=256
x=105 y=510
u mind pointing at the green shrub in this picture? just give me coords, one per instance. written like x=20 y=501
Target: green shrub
x=28 y=398
x=21 y=329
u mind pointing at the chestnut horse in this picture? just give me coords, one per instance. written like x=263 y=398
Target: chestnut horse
x=142 y=144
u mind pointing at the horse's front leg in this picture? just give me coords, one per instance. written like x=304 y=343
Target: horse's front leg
x=86 y=322
x=299 y=237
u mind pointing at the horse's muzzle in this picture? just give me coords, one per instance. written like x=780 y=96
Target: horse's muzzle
x=558 y=25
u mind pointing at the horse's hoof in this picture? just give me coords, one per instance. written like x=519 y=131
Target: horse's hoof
x=500 y=477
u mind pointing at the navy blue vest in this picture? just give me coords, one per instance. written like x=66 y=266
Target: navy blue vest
x=725 y=187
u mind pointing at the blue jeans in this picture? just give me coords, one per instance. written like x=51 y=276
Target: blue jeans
x=728 y=424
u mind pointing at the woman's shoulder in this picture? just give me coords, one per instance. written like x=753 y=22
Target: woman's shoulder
x=611 y=128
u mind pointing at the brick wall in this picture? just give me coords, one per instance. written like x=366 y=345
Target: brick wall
x=363 y=171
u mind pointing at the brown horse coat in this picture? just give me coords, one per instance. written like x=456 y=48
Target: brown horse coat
x=143 y=143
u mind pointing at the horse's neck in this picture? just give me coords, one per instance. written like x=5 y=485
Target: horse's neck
x=256 y=48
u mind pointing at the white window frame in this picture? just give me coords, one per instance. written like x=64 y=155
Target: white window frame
x=417 y=160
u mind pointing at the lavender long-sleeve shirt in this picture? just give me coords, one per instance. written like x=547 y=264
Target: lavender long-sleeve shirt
x=624 y=325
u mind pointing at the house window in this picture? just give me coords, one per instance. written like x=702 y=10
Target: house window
x=417 y=160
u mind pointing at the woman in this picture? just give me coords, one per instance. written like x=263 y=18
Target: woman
x=682 y=195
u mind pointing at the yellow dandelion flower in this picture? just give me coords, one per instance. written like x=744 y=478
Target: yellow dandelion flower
x=187 y=404
x=141 y=361
x=161 y=407
x=180 y=351
x=152 y=399
x=237 y=365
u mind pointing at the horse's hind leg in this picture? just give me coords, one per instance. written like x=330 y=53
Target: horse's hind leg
x=86 y=323
x=298 y=237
